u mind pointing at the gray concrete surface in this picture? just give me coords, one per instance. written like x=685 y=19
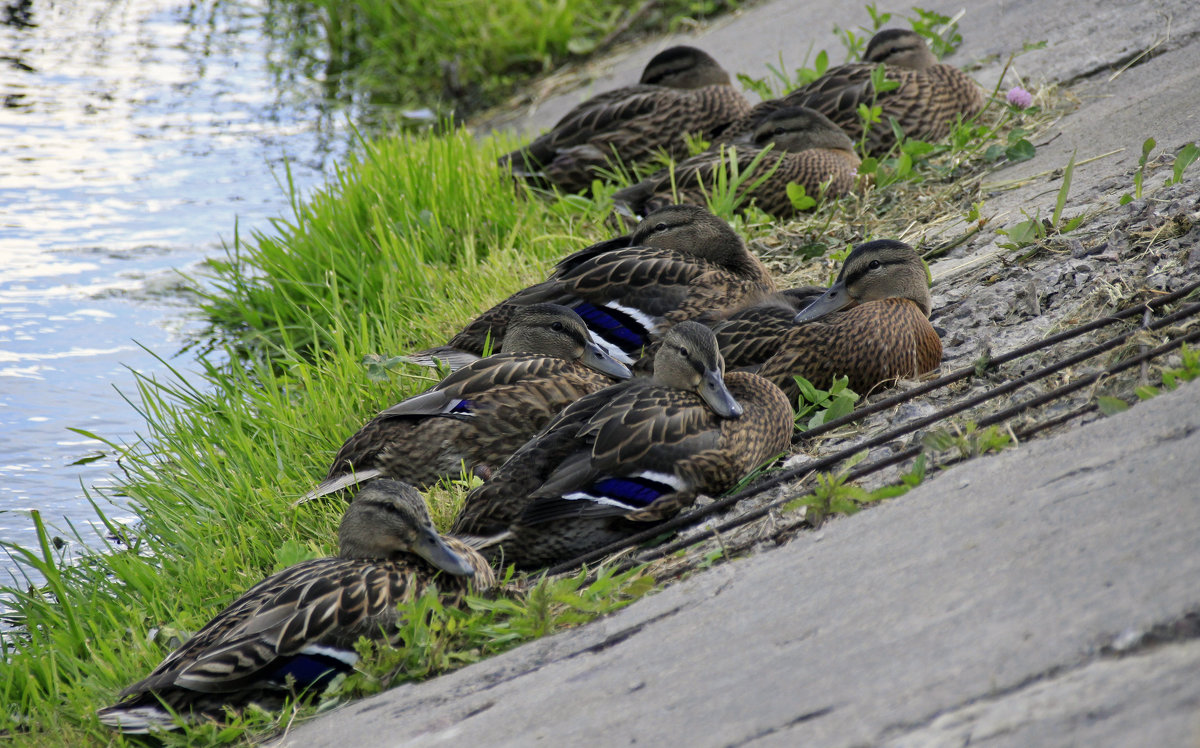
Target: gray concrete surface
x=1082 y=38
x=1049 y=595
x=1008 y=597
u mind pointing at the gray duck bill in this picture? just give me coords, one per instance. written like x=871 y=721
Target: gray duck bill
x=717 y=395
x=834 y=298
x=430 y=546
x=594 y=357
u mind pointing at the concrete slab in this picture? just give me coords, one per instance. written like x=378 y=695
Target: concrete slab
x=1149 y=699
x=1003 y=602
x=1082 y=37
x=990 y=578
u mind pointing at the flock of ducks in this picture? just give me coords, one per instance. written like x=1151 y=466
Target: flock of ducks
x=646 y=370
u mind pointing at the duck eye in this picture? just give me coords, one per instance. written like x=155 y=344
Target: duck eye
x=557 y=327
x=874 y=265
x=683 y=351
x=661 y=227
x=778 y=130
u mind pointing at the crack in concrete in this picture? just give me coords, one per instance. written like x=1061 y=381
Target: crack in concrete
x=617 y=637
x=1169 y=45
x=1184 y=628
x=798 y=719
x=1083 y=470
x=1178 y=433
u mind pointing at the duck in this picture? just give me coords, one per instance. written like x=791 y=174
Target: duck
x=631 y=455
x=793 y=144
x=751 y=335
x=480 y=414
x=294 y=632
x=748 y=336
x=872 y=325
x=683 y=90
x=680 y=263
x=930 y=96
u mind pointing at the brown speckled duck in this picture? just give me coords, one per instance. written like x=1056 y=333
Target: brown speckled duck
x=482 y=413
x=683 y=90
x=753 y=334
x=749 y=336
x=292 y=633
x=805 y=148
x=930 y=97
x=871 y=325
x=682 y=262
x=621 y=459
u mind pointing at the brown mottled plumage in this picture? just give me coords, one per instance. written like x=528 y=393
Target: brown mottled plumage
x=930 y=97
x=681 y=263
x=482 y=413
x=634 y=454
x=293 y=632
x=805 y=148
x=753 y=334
x=682 y=90
x=882 y=335
x=750 y=335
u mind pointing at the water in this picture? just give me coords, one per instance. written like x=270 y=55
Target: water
x=134 y=136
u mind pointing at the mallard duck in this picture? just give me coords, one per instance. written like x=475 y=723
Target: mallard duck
x=682 y=262
x=928 y=100
x=292 y=633
x=482 y=413
x=683 y=90
x=628 y=456
x=871 y=325
x=805 y=148
x=749 y=336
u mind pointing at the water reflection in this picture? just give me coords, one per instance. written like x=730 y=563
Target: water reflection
x=137 y=134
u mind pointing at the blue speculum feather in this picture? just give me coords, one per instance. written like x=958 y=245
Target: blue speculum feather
x=633 y=491
x=462 y=406
x=309 y=671
x=614 y=326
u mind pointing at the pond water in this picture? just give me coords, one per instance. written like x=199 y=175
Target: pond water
x=135 y=136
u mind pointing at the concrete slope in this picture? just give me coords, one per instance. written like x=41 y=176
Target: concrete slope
x=1044 y=596
x=1082 y=38
x=1012 y=595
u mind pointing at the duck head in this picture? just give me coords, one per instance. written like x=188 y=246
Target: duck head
x=880 y=269
x=689 y=360
x=388 y=518
x=696 y=231
x=684 y=67
x=796 y=129
x=900 y=47
x=555 y=330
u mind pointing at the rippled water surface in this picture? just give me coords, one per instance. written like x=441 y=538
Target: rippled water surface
x=134 y=136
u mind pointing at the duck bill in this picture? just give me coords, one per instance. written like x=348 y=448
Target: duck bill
x=834 y=299
x=746 y=138
x=430 y=546
x=594 y=357
x=717 y=395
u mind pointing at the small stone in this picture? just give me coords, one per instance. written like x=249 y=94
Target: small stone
x=1126 y=640
x=1032 y=301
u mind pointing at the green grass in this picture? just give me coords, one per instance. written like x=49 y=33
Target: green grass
x=414 y=237
x=414 y=229
x=467 y=54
